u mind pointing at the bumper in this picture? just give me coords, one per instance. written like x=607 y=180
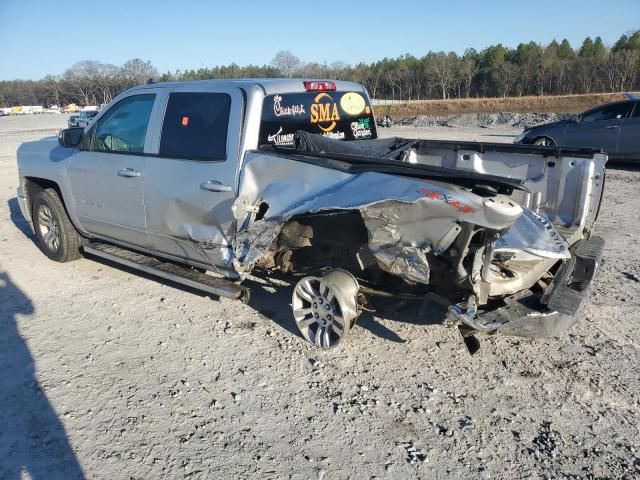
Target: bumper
x=546 y=314
x=23 y=204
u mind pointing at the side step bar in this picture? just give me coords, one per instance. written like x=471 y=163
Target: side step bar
x=169 y=271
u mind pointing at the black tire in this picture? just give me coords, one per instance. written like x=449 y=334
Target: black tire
x=544 y=141
x=57 y=237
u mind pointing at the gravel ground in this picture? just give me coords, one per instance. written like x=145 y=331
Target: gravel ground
x=485 y=120
x=475 y=134
x=106 y=374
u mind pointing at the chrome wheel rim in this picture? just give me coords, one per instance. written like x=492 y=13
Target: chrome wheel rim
x=324 y=308
x=49 y=228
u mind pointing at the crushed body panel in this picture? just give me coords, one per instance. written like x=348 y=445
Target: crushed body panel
x=459 y=235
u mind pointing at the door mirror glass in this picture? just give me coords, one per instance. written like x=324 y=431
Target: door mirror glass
x=70 y=137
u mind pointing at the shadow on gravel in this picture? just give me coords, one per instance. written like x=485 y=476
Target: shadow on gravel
x=368 y=322
x=32 y=439
x=273 y=300
x=18 y=220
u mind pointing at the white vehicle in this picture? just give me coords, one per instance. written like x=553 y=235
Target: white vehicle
x=85 y=117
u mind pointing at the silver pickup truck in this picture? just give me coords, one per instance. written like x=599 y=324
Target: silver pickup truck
x=203 y=183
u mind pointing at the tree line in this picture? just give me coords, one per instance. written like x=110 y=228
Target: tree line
x=497 y=71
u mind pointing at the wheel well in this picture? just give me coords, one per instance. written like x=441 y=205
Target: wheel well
x=318 y=240
x=540 y=137
x=311 y=243
x=34 y=185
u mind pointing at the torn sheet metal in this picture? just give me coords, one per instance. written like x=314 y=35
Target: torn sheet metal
x=405 y=217
x=533 y=234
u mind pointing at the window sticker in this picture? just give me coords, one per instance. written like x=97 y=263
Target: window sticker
x=286 y=110
x=361 y=128
x=324 y=112
x=353 y=103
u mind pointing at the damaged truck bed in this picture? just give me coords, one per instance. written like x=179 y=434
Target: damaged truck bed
x=501 y=234
x=464 y=221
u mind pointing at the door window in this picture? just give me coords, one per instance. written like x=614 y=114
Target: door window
x=195 y=126
x=124 y=127
x=608 y=112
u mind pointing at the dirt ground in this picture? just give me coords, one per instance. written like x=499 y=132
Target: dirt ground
x=107 y=374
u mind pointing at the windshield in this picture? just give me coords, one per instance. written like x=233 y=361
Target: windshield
x=338 y=115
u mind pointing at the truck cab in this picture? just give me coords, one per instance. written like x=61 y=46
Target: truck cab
x=159 y=167
x=232 y=176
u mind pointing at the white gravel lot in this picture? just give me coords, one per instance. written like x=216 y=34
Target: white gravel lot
x=106 y=374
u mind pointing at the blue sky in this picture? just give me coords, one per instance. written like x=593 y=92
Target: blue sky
x=38 y=37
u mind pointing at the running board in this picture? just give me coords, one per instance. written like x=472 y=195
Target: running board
x=169 y=271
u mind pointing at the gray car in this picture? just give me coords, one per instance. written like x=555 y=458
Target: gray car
x=613 y=128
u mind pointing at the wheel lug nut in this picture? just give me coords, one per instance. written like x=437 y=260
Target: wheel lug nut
x=329 y=317
x=315 y=305
x=316 y=315
x=327 y=307
x=320 y=301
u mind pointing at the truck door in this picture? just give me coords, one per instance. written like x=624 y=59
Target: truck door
x=190 y=185
x=106 y=174
x=598 y=128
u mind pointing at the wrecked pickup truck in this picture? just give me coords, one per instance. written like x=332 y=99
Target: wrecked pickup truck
x=202 y=183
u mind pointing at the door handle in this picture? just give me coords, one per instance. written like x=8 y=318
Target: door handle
x=611 y=126
x=128 y=172
x=214 y=186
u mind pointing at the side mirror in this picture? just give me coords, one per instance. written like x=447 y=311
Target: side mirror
x=70 y=137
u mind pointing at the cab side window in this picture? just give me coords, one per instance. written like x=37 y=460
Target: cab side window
x=609 y=112
x=636 y=111
x=124 y=127
x=195 y=126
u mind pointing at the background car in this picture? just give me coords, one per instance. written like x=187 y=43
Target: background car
x=73 y=121
x=85 y=117
x=614 y=128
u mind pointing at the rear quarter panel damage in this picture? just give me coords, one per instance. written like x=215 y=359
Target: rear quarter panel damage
x=405 y=217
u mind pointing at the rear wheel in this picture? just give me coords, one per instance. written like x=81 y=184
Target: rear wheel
x=326 y=308
x=545 y=142
x=57 y=237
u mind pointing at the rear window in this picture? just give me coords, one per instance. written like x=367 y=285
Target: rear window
x=339 y=115
x=195 y=126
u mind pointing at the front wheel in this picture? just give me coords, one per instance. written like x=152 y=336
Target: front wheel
x=57 y=237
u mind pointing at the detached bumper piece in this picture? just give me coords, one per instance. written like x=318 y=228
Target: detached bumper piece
x=547 y=314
